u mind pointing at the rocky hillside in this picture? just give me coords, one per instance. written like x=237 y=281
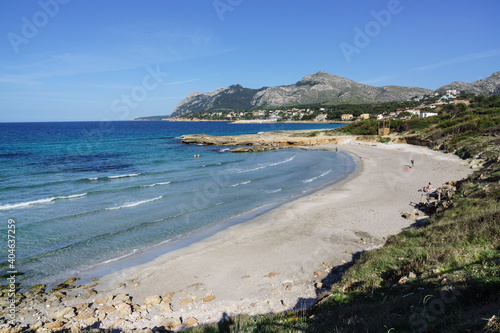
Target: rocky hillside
x=488 y=86
x=315 y=88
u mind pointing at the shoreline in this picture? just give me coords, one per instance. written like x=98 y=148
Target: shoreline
x=282 y=259
x=147 y=255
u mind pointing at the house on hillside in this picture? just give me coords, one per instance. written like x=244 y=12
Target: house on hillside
x=347 y=117
x=364 y=116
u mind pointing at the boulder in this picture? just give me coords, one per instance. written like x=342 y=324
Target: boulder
x=190 y=321
x=152 y=300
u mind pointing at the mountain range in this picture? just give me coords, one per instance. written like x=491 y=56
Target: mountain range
x=318 y=88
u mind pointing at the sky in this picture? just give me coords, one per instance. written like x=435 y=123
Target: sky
x=75 y=60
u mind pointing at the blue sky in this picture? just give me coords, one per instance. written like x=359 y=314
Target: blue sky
x=75 y=60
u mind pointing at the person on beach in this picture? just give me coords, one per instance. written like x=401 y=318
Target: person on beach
x=337 y=150
x=428 y=188
x=412 y=163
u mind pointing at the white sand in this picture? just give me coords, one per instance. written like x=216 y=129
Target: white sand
x=294 y=240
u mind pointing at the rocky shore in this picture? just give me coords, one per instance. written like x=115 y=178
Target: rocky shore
x=263 y=141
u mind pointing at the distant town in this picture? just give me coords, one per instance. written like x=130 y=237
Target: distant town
x=418 y=106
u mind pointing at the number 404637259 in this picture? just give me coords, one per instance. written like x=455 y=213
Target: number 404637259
x=11 y=243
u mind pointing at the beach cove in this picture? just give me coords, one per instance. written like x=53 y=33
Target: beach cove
x=278 y=261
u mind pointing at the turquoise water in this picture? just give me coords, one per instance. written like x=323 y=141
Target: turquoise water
x=87 y=193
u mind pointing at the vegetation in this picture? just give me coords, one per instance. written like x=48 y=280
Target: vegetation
x=443 y=276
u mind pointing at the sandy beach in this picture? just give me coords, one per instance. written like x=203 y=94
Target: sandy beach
x=275 y=261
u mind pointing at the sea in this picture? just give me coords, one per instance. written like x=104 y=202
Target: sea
x=95 y=196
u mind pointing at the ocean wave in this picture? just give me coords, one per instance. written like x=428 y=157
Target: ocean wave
x=156 y=184
x=242 y=183
x=39 y=201
x=266 y=165
x=314 y=178
x=273 y=191
x=124 y=176
x=113 y=177
x=134 y=204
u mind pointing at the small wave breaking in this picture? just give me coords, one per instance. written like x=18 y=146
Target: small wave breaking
x=40 y=201
x=134 y=204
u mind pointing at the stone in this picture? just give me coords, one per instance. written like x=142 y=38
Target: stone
x=186 y=301
x=62 y=314
x=152 y=300
x=54 y=326
x=121 y=298
x=85 y=314
x=171 y=323
x=36 y=325
x=38 y=288
x=272 y=275
x=90 y=321
x=90 y=292
x=190 y=321
x=318 y=273
x=209 y=298
x=124 y=310
x=166 y=307
x=104 y=300
x=412 y=275
x=106 y=309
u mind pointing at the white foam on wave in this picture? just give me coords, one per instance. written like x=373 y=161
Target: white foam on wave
x=134 y=204
x=39 y=201
x=242 y=183
x=314 y=178
x=156 y=184
x=267 y=165
x=123 y=176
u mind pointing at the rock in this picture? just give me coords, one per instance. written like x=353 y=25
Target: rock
x=319 y=285
x=166 y=307
x=318 y=273
x=54 y=326
x=186 y=301
x=152 y=300
x=171 y=323
x=124 y=310
x=85 y=314
x=121 y=298
x=190 y=321
x=90 y=321
x=106 y=309
x=90 y=292
x=38 y=288
x=63 y=314
x=209 y=298
x=36 y=325
x=70 y=281
x=73 y=327
x=104 y=300
x=272 y=275
x=412 y=275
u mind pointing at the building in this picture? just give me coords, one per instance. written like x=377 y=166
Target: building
x=364 y=116
x=347 y=117
x=428 y=114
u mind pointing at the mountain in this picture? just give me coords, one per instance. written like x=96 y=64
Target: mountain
x=488 y=86
x=223 y=99
x=318 y=88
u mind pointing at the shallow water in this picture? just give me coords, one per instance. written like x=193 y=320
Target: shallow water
x=87 y=193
